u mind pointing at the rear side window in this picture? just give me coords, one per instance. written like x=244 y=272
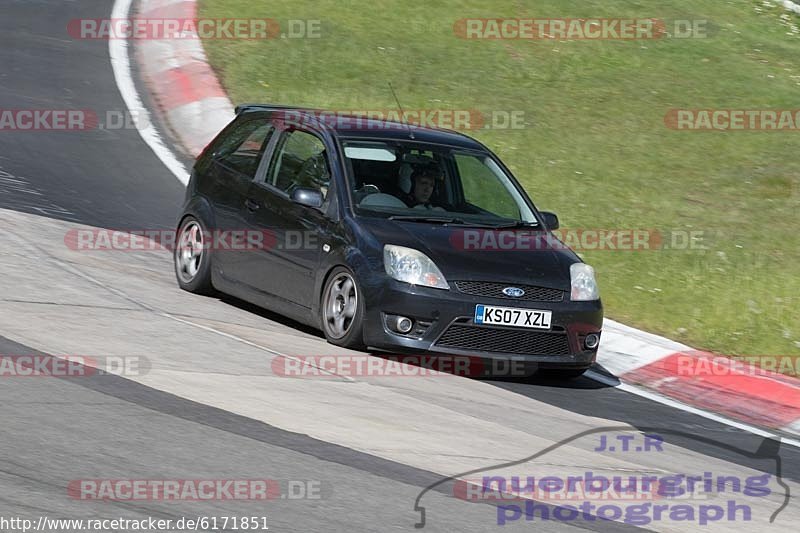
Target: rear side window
x=300 y=161
x=244 y=146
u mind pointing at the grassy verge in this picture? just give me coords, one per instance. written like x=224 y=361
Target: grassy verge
x=595 y=148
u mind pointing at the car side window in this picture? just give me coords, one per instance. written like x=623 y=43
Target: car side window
x=243 y=148
x=300 y=161
x=482 y=188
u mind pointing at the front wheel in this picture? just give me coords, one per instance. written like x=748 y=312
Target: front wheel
x=342 y=310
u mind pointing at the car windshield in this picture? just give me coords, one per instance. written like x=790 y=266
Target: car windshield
x=432 y=183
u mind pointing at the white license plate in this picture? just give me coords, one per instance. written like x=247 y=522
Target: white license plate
x=509 y=316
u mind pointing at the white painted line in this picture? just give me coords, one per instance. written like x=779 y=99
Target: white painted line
x=788 y=4
x=794 y=427
x=651 y=338
x=120 y=63
x=614 y=382
x=622 y=354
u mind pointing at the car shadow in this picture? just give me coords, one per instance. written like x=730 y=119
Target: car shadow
x=269 y=315
x=583 y=382
x=531 y=377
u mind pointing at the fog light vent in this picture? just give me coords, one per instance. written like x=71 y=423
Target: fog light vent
x=403 y=324
x=592 y=341
x=406 y=326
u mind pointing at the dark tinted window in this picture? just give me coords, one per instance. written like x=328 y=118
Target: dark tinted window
x=300 y=161
x=242 y=149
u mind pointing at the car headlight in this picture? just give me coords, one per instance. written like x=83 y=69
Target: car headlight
x=412 y=266
x=584 y=286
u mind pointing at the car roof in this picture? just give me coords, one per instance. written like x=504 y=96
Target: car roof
x=359 y=127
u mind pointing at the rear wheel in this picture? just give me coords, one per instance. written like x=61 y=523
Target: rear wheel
x=342 y=310
x=192 y=258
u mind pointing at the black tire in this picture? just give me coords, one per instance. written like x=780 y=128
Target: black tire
x=197 y=281
x=562 y=373
x=351 y=336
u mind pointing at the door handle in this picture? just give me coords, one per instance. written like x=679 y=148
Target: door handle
x=251 y=205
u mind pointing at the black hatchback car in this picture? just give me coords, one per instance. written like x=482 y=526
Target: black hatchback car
x=385 y=235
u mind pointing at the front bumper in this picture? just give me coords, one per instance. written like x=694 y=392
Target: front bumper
x=447 y=309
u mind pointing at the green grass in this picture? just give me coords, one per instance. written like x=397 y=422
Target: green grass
x=594 y=148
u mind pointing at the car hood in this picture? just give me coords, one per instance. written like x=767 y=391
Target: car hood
x=478 y=254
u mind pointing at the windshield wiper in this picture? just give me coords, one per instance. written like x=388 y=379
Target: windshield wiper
x=418 y=218
x=516 y=224
x=461 y=222
x=443 y=221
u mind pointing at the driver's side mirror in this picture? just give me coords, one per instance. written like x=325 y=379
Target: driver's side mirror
x=550 y=220
x=307 y=197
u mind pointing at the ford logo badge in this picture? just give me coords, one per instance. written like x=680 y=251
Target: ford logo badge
x=514 y=292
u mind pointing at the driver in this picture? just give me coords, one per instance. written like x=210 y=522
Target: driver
x=423 y=184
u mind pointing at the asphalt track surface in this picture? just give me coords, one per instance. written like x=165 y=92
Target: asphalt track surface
x=53 y=430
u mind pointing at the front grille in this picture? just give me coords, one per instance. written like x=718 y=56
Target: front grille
x=491 y=289
x=485 y=339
